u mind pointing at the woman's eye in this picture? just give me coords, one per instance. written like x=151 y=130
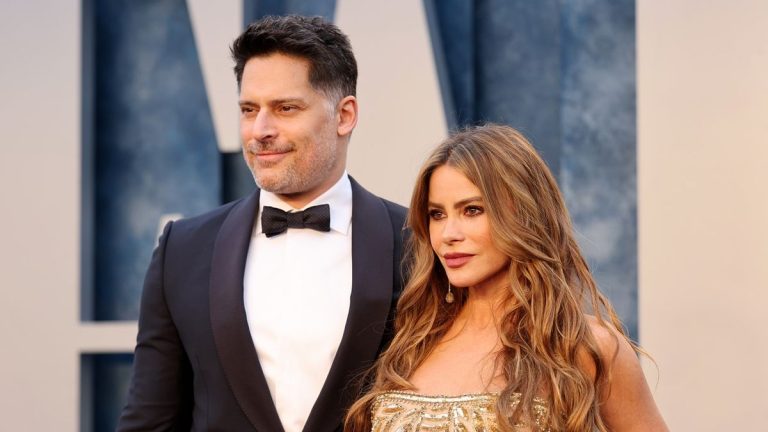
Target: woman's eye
x=473 y=211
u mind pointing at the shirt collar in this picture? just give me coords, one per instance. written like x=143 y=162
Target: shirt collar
x=338 y=197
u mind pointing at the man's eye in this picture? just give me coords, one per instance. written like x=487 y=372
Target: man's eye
x=245 y=110
x=473 y=211
x=287 y=108
x=435 y=214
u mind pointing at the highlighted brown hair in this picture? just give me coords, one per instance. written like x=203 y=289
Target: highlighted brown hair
x=548 y=350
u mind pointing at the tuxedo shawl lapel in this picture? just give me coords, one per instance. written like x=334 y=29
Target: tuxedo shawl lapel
x=229 y=323
x=371 y=298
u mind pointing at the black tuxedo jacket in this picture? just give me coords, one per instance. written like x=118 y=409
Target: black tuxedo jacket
x=195 y=365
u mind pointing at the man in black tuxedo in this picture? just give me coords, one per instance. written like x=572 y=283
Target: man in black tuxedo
x=259 y=314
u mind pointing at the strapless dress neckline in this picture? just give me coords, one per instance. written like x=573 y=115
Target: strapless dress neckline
x=398 y=411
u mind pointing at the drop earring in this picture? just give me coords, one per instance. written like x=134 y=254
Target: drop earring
x=449 y=295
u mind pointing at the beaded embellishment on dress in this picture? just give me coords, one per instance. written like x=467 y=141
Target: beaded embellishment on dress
x=409 y=412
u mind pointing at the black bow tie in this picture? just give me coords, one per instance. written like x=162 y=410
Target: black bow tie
x=275 y=221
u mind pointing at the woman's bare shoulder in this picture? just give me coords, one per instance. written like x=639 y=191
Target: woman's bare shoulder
x=611 y=343
x=628 y=404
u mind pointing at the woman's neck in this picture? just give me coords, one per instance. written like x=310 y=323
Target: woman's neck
x=483 y=306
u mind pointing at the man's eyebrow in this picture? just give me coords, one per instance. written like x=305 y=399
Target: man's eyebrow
x=289 y=100
x=458 y=204
x=295 y=100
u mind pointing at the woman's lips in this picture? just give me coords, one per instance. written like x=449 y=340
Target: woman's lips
x=456 y=260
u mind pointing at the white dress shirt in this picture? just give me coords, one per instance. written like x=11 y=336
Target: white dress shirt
x=297 y=287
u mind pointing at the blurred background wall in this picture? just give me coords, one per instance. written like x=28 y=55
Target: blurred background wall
x=117 y=115
x=702 y=89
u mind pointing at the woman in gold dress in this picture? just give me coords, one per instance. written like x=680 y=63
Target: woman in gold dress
x=501 y=326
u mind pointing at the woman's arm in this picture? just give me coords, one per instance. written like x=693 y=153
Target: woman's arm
x=627 y=403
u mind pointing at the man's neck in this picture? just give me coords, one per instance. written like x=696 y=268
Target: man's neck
x=301 y=199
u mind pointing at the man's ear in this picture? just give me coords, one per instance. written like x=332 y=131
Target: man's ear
x=347 y=115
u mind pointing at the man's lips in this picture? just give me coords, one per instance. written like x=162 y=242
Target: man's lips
x=456 y=260
x=271 y=155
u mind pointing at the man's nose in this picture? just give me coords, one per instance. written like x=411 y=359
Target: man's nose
x=263 y=127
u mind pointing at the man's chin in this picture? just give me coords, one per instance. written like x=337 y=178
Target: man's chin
x=274 y=184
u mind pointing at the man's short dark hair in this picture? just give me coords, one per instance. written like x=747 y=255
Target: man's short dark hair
x=332 y=65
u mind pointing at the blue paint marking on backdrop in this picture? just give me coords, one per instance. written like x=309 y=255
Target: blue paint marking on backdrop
x=111 y=375
x=503 y=63
x=518 y=70
x=255 y=9
x=564 y=74
x=598 y=168
x=155 y=148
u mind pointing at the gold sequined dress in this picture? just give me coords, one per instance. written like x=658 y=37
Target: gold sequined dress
x=409 y=412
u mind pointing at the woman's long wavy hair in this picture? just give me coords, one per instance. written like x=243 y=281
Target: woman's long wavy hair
x=543 y=330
